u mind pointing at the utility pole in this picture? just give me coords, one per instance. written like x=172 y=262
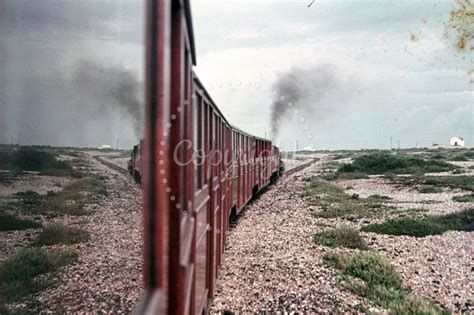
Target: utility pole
x=398 y=144
x=296 y=145
x=472 y=127
x=19 y=137
x=116 y=143
x=391 y=146
x=11 y=140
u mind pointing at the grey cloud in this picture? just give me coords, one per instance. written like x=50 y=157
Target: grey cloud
x=54 y=88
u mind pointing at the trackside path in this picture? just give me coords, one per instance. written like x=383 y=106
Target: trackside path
x=271 y=263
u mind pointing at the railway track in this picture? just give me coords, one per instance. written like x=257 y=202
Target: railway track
x=301 y=166
x=234 y=221
x=110 y=165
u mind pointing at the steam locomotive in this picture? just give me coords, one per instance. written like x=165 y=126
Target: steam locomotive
x=134 y=165
x=196 y=169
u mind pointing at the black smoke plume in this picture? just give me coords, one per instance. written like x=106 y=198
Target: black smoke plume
x=113 y=88
x=70 y=72
x=309 y=93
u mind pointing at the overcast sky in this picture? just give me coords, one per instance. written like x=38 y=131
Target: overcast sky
x=394 y=72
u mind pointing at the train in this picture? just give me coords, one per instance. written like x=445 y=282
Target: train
x=196 y=169
x=135 y=165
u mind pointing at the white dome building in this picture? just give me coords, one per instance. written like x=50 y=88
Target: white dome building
x=457 y=142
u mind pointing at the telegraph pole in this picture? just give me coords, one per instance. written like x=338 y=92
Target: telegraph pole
x=472 y=127
x=116 y=143
x=391 y=146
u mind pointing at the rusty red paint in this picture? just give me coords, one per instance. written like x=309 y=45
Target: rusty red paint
x=186 y=225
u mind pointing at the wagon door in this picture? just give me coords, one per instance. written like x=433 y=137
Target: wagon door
x=185 y=206
x=214 y=206
x=201 y=202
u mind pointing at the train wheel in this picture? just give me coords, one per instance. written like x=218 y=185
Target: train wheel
x=137 y=177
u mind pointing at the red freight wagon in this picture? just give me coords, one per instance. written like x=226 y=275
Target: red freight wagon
x=197 y=169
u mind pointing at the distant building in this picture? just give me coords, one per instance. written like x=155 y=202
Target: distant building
x=436 y=146
x=105 y=147
x=456 y=142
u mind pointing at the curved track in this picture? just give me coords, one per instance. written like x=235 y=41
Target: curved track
x=110 y=165
x=301 y=166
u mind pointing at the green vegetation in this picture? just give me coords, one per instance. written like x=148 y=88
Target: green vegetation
x=409 y=211
x=92 y=184
x=415 y=210
x=19 y=273
x=345 y=237
x=430 y=190
x=121 y=155
x=79 y=162
x=461 y=182
x=381 y=283
x=379 y=198
x=421 y=227
x=322 y=224
x=332 y=165
x=33 y=159
x=384 y=163
x=336 y=203
x=367 y=266
x=343 y=175
x=71 y=200
x=452 y=155
x=463 y=156
x=10 y=222
x=414 y=306
x=61 y=234
x=465 y=198
x=459 y=158
x=438 y=157
x=341 y=156
x=66 y=152
x=469 y=154
x=377 y=281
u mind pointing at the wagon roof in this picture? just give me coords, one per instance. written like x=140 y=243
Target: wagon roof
x=189 y=23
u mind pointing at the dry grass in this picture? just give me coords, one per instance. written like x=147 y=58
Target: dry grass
x=345 y=237
x=61 y=234
x=369 y=275
x=30 y=270
x=336 y=203
x=421 y=227
x=10 y=222
x=70 y=201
